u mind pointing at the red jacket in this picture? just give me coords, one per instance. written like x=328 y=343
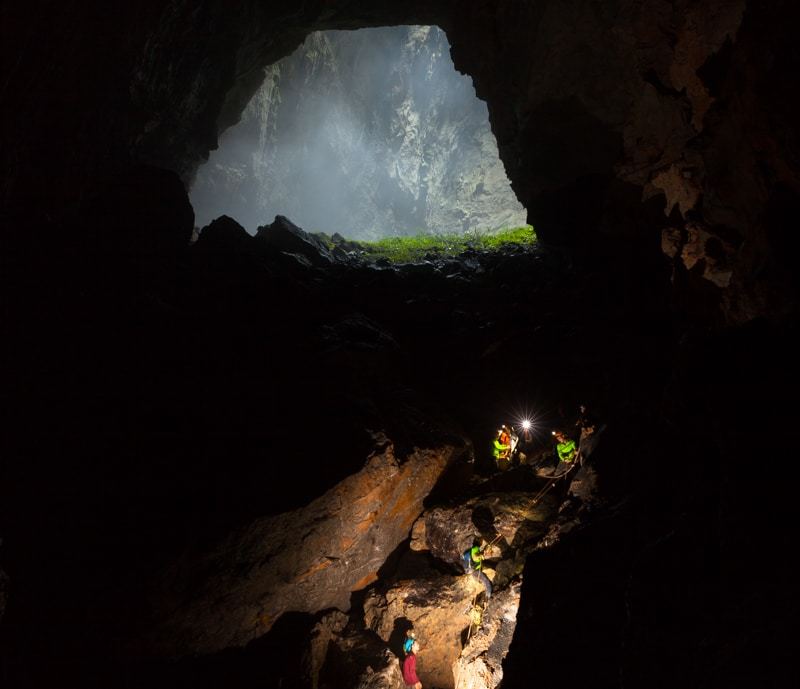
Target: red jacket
x=410 y=670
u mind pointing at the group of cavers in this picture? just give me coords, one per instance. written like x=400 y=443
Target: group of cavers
x=568 y=453
x=505 y=449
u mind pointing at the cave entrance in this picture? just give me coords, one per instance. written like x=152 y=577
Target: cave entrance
x=368 y=133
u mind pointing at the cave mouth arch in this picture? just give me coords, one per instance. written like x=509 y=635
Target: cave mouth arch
x=368 y=133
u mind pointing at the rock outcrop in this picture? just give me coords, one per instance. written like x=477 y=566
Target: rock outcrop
x=307 y=560
x=509 y=520
x=682 y=109
x=283 y=235
x=462 y=645
x=438 y=606
x=222 y=236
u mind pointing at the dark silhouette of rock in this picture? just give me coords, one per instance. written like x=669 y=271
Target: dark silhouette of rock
x=143 y=212
x=223 y=234
x=358 y=660
x=283 y=235
x=356 y=331
x=4 y=589
x=328 y=629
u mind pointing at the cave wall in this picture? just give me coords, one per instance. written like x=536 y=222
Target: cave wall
x=662 y=99
x=594 y=105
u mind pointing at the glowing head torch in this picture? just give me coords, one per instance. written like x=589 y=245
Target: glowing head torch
x=526 y=424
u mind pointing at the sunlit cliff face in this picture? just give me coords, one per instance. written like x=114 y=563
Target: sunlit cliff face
x=368 y=133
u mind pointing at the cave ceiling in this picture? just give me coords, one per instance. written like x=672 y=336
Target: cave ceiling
x=610 y=117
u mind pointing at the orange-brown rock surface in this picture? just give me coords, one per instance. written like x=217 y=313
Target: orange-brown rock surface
x=306 y=560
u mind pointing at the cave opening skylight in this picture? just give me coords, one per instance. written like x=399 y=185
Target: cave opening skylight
x=369 y=133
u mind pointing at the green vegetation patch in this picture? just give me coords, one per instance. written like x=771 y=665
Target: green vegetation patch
x=417 y=247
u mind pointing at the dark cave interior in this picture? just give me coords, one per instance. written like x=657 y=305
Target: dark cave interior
x=227 y=463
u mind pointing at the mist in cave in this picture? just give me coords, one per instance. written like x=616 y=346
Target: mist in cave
x=368 y=133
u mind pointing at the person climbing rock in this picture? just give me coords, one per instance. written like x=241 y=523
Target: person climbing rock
x=410 y=667
x=472 y=562
x=502 y=445
x=411 y=636
x=566 y=450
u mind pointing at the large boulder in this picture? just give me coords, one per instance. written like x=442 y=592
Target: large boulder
x=439 y=609
x=286 y=237
x=223 y=234
x=509 y=520
x=305 y=560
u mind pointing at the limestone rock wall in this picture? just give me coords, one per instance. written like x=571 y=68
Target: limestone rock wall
x=369 y=133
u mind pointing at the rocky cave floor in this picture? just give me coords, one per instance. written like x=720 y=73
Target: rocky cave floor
x=263 y=463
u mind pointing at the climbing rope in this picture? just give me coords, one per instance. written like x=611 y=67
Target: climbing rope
x=536 y=498
x=554 y=480
x=475 y=613
x=489 y=545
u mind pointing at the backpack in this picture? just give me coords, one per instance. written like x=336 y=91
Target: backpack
x=467 y=558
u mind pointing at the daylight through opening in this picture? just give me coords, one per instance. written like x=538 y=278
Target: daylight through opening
x=369 y=133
